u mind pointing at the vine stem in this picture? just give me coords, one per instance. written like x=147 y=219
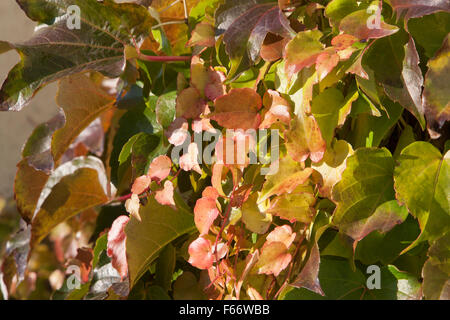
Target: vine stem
x=144 y=57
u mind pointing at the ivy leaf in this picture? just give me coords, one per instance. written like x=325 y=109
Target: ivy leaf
x=409 y=94
x=333 y=165
x=337 y=10
x=245 y=24
x=297 y=206
x=290 y=174
x=430 y=31
x=419 y=8
x=326 y=108
x=73 y=187
x=366 y=183
x=274 y=258
x=238 y=109
x=82 y=101
x=303 y=50
x=421 y=183
x=57 y=51
x=304 y=139
x=436 y=95
x=255 y=220
x=160 y=225
x=436 y=271
x=116 y=245
x=309 y=276
x=357 y=25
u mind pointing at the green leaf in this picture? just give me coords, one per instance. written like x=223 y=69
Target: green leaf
x=244 y=25
x=165 y=267
x=376 y=128
x=430 y=31
x=255 y=220
x=303 y=50
x=421 y=183
x=326 y=108
x=165 y=108
x=160 y=225
x=366 y=183
x=358 y=24
x=436 y=271
x=56 y=51
x=336 y=10
x=436 y=95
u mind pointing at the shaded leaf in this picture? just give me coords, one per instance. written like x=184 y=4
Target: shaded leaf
x=160 y=225
x=436 y=95
x=419 y=8
x=245 y=24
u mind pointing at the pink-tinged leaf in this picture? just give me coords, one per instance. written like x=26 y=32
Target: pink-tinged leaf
x=279 y=109
x=215 y=87
x=140 y=184
x=200 y=254
x=211 y=193
x=190 y=104
x=238 y=109
x=366 y=25
x=165 y=196
x=436 y=95
x=326 y=62
x=273 y=47
x=132 y=206
x=199 y=125
x=303 y=50
x=189 y=161
x=117 y=245
x=205 y=212
x=309 y=276
x=233 y=149
x=160 y=168
x=419 y=8
x=202 y=35
x=304 y=139
x=177 y=132
x=343 y=41
x=274 y=258
x=385 y=217
x=282 y=234
x=297 y=206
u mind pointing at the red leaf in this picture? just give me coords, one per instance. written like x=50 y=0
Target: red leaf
x=238 y=109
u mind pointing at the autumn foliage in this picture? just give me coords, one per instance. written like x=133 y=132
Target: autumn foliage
x=352 y=98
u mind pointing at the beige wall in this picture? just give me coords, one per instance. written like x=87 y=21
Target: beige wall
x=15 y=127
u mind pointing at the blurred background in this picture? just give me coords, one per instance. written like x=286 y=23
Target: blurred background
x=15 y=127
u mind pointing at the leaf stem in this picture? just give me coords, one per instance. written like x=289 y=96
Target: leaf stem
x=144 y=57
